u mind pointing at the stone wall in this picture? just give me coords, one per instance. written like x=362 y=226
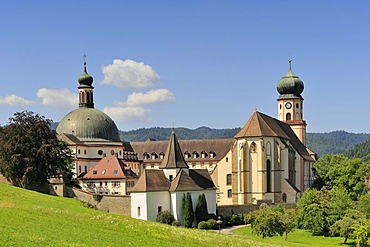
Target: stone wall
x=109 y=203
x=227 y=211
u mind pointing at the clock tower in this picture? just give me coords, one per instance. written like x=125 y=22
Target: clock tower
x=290 y=103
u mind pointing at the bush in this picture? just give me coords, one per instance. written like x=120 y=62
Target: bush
x=97 y=197
x=206 y=225
x=175 y=223
x=236 y=219
x=212 y=224
x=165 y=217
x=203 y=225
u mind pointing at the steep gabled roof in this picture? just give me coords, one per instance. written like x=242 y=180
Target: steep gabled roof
x=261 y=125
x=202 y=178
x=109 y=168
x=152 y=180
x=183 y=182
x=173 y=157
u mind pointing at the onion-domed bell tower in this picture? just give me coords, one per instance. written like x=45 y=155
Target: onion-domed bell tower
x=290 y=103
x=85 y=89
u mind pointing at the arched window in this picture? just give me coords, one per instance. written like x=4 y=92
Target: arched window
x=268 y=176
x=83 y=97
x=284 y=198
x=229 y=193
x=268 y=148
x=288 y=116
x=228 y=179
x=253 y=148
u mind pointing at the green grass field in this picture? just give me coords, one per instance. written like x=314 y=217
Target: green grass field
x=296 y=238
x=28 y=218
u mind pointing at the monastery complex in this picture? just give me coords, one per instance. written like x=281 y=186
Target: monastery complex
x=267 y=161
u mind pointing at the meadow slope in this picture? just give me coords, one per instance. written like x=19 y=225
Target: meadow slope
x=28 y=218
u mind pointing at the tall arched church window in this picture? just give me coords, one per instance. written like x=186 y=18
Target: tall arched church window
x=268 y=148
x=268 y=176
x=253 y=148
x=288 y=116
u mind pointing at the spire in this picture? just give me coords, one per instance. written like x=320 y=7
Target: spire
x=173 y=157
x=290 y=84
x=290 y=64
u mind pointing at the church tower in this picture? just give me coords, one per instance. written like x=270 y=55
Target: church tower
x=85 y=89
x=290 y=103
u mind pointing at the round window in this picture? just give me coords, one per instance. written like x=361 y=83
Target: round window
x=100 y=152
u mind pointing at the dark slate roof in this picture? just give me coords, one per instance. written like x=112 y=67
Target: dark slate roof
x=292 y=185
x=109 y=168
x=220 y=147
x=70 y=139
x=183 y=182
x=173 y=157
x=152 y=180
x=155 y=180
x=261 y=125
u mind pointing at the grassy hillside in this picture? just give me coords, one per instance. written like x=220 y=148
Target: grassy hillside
x=28 y=218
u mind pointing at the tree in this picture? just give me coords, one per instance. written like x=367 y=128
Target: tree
x=313 y=211
x=337 y=170
x=201 y=210
x=343 y=228
x=266 y=222
x=30 y=152
x=187 y=210
x=364 y=205
x=288 y=221
x=361 y=233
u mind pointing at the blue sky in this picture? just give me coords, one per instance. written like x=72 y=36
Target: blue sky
x=187 y=63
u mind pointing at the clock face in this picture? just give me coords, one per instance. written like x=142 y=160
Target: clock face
x=288 y=105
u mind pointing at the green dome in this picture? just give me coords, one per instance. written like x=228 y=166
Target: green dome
x=89 y=124
x=290 y=84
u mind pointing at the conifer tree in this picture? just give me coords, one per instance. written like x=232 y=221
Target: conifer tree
x=201 y=210
x=187 y=210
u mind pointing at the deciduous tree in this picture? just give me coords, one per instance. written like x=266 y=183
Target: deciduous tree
x=30 y=152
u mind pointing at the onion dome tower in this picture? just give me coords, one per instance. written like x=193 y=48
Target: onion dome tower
x=85 y=90
x=290 y=103
x=86 y=122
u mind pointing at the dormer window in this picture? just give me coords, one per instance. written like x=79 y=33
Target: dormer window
x=154 y=156
x=95 y=172
x=204 y=154
x=187 y=155
x=212 y=154
x=161 y=155
x=195 y=155
x=145 y=156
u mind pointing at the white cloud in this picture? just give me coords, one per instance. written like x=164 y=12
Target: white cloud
x=61 y=98
x=127 y=114
x=130 y=74
x=14 y=100
x=151 y=97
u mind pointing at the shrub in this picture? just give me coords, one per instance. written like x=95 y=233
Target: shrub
x=212 y=224
x=165 y=217
x=206 y=225
x=236 y=219
x=97 y=197
x=175 y=223
x=203 y=225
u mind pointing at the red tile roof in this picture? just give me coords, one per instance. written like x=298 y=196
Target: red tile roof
x=109 y=168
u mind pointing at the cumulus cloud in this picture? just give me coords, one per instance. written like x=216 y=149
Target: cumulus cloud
x=61 y=98
x=151 y=97
x=129 y=74
x=127 y=114
x=14 y=100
